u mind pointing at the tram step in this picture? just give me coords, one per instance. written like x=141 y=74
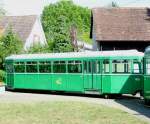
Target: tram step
x=95 y=92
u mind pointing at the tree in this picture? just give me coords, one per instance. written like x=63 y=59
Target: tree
x=9 y=44
x=2 y=11
x=57 y=20
x=38 y=48
x=61 y=37
x=114 y=4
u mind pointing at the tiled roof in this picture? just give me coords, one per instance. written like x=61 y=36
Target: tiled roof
x=121 y=24
x=21 y=25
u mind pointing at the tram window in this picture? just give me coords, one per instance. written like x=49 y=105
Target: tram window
x=127 y=66
x=120 y=66
x=85 y=67
x=96 y=67
x=148 y=66
x=136 y=67
x=19 y=67
x=74 y=67
x=31 y=67
x=59 y=67
x=88 y=67
x=9 y=68
x=106 y=66
x=45 y=67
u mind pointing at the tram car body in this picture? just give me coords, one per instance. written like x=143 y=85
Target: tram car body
x=108 y=72
x=146 y=64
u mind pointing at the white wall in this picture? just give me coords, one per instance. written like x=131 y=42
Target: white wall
x=37 y=30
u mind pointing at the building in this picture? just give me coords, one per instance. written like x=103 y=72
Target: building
x=120 y=28
x=28 y=28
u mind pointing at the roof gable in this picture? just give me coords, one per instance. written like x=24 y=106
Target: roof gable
x=116 y=24
x=21 y=25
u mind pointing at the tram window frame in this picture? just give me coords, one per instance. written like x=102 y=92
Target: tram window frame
x=76 y=66
x=9 y=68
x=45 y=66
x=85 y=70
x=106 y=66
x=127 y=66
x=21 y=67
x=88 y=67
x=32 y=67
x=147 y=66
x=138 y=65
x=96 y=67
x=59 y=65
x=121 y=66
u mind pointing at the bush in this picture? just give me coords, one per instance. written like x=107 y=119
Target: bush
x=2 y=76
x=37 y=48
x=57 y=20
x=9 y=44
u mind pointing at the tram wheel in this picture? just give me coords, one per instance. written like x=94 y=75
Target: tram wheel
x=106 y=96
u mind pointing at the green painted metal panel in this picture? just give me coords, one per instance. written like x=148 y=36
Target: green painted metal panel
x=147 y=87
x=92 y=81
x=97 y=82
x=88 y=84
x=33 y=81
x=67 y=82
x=121 y=84
x=59 y=82
x=138 y=82
x=126 y=84
x=106 y=83
x=75 y=82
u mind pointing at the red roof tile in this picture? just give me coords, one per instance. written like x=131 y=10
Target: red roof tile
x=121 y=24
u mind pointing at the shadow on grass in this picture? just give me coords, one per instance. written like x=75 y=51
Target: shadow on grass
x=135 y=104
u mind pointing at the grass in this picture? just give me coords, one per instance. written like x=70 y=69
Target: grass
x=63 y=113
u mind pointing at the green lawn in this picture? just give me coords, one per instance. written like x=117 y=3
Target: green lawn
x=63 y=113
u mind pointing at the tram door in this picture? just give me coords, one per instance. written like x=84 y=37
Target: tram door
x=97 y=75
x=92 y=75
x=88 y=78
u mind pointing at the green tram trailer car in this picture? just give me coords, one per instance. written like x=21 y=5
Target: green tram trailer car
x=147 y=76
x=108 y=72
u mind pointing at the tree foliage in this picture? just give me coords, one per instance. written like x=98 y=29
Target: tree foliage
x=57 y=20
x=9 y=44
x=114 y=4
x=2 y=11
x=38 y=48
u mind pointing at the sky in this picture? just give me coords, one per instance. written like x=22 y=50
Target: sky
x=30 y=7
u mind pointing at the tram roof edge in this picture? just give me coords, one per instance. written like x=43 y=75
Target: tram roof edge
x=78 y=54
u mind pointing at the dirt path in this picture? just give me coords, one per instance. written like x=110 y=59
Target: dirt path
x=132 y=105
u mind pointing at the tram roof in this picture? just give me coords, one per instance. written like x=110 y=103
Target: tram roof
x=86 y=54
